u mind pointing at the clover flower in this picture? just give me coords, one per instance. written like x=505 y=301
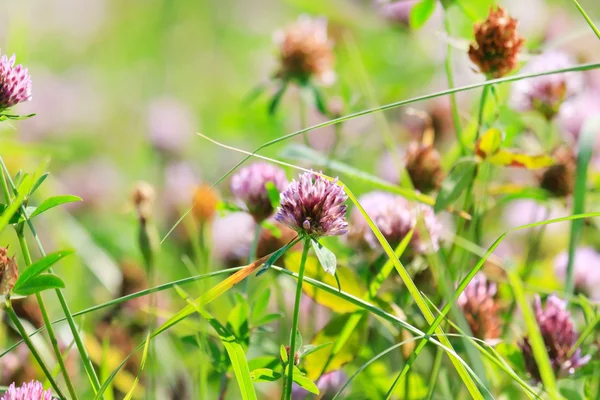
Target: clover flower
x=250 y=187
x=313 y=206
x=559 y=337
x=28 y=391
x=480 y=308
x=15 y=83
x=497 y=44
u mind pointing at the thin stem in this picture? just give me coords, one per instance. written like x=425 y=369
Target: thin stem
x=254 y=246
x=87 y=363
x=290 y=378
x=47 y=322
x=588 y=19
x=484 y=95
x=32 y=349
x=437 y=364
x=303 y=117
x=450 y=78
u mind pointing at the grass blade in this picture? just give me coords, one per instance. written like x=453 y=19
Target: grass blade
x=588 y=19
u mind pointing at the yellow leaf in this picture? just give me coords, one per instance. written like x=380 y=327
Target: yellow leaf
x=510 y=159
x=489 y=143
x=349 y=283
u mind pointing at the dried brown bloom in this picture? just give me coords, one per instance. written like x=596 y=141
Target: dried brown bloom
x=305 y=51
x=480 y=308
x=205 y=203
x=423 y=164
x=497 y=44
x=142 y=198
x=559 y=179
x=9 y=272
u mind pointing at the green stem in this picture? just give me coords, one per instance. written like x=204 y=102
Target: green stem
x=47 y=322
x=484 y=95
x=87 y=363
x=437 y=364
x=588 y=19
x=290 y=378
x=303 y=117
x=254 y=246
x=450 y=78
x=32 y=349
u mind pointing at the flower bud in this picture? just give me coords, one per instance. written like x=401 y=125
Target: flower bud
x=143 y=197
x=9 y=272
x=559 y=179
x=423 y=164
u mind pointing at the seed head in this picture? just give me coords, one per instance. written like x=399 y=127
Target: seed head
x=559 y=337
x=480 y=309
x=143 y=198
x=27 y=391
x=423 y=164
x=9 y=272
x=313 y=206
x=497 y=44
x=205 y=203
x=394 y=216
x=546 y=94
x=305 y=51
x=559 y=179
x=15 y=83
x=250 y=187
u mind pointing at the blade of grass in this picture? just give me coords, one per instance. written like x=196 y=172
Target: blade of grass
x=129 y=394
x=588 y=19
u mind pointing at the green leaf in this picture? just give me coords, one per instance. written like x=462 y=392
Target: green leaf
x=12 y=209
x=299 y=341
x=311 y=348
x=275 y=256
x=142 y=364
x=276 y=99
x=40 y=266
x=265 y=375
x=319 y=100
x=305 y=383
x=40 y=283
x=283 y=354
x=39 y=182
x=325 y=256
x=273 y=194
x=261 y=304
x=459 y=178
x=267 y=319
x=54 y=201
x=421 y=12
x=237 y=322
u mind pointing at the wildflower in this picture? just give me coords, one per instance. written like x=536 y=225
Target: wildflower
x=423 y=164
x=559 y=179
x=497 y=44
x=27 y=391
x=143 y=197
x=559 y=337
x=575 y=111
x=305 y=51
x=205 y=203
x=170 y=123
x=586 y=270
x=396 y=11
x=313 y=206
x=546 y=93
x=15 y=83
x=394 y=216
x=250 y=187
x=9 y=272
x=480 y=309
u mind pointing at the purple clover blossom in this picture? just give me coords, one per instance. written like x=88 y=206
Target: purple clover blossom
x=314 y=206
x=249 y=186
x=576 y=111
x=170 y=124
x=480 y=309
x=15 y=83
x=396 y=11
x=546 y=93
x=559 y=337
x=28 y=391
x=394 y=216
x=586 y=270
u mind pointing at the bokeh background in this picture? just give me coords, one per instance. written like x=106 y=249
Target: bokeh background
x=120 y=89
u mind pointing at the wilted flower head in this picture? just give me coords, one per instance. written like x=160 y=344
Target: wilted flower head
x=250 y=187
x=497 y=44
x=27 y=391
x=575 y=111
x=205 y=203
x=559 y=178
x=546 y=93
x=9 y=272
x=142 y=198
x=305 y=51
x=423 y=164
x=559 y=337
x=586 y=270
x=314 y=206
x=15 y=83
x=396 y=11
x=480 y=309
x=394 y=216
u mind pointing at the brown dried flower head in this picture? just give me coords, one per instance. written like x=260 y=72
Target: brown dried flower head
x=142 y=198
x=305 y=51
x=423 y=164
x=205 y=203
x=9 y=272
x=480 y=308
x=497 y=44
x=559 y=179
